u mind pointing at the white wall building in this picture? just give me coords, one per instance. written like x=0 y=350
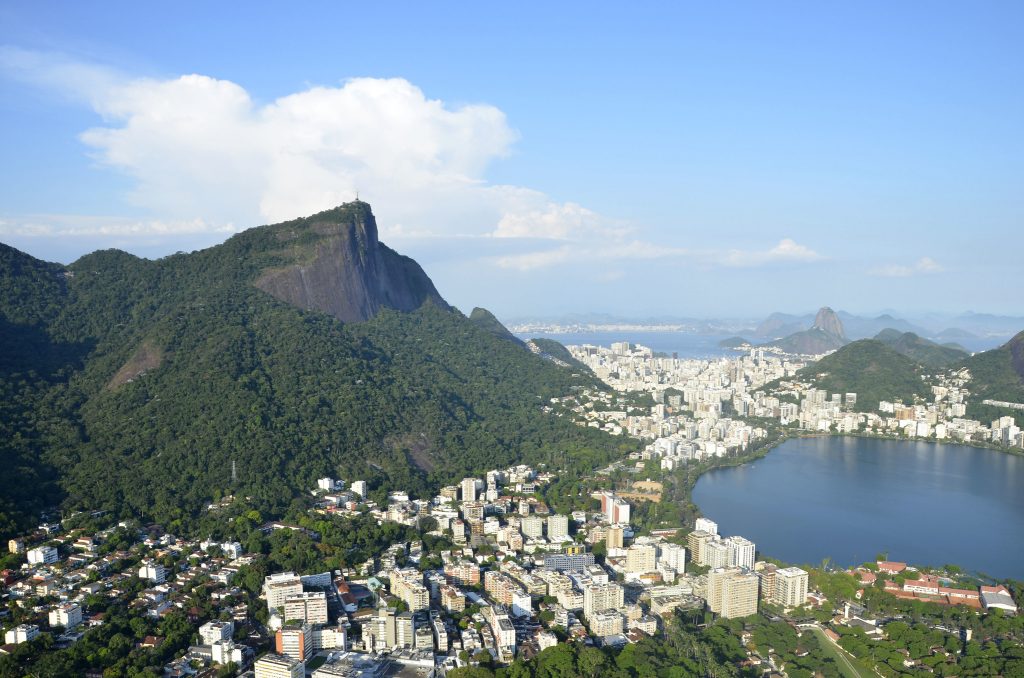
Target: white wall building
x=42 y=555
x=22 y=633
x=790 y=586
x=68 y=615
x=277 y=588
x=213 y=631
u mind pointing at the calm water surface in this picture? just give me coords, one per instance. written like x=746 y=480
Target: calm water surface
x=850 y=498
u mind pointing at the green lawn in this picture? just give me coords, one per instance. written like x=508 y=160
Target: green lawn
x=843 y=660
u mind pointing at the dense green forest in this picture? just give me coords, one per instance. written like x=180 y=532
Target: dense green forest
x=997 y=375
x=921 y=350
x=870 y=369
x=132 y=385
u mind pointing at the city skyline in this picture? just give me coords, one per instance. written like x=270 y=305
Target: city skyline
x=670 y=162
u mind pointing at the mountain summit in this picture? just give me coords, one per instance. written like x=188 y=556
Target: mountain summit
x=826 y=334
x=828 y=321
x=339 y=267
x=289 y=352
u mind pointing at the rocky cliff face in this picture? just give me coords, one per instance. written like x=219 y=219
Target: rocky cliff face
x=344 y=270
x=825 y=335
x=828 y=321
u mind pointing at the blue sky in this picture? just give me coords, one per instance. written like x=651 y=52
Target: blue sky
x=675 y=159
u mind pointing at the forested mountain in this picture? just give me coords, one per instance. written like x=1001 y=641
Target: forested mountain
x=928 y=353
x=132 y=385
x=997 y=375
x=870 y=369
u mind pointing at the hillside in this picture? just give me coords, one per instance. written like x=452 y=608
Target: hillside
x=826 y=334
x=733 y=342
x=921 y=350
x=486 y=320
x=997 y=375
x=152 y=377
x=870 y=369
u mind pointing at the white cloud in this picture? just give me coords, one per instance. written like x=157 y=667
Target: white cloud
x=80 y=226
x=575 y=252
x=924 y=265
x=619 y=249
x=556 y=222
x=198 y=146
x=786 y=250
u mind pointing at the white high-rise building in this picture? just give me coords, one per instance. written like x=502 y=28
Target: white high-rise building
x=741 y=552
x=716 y=554
x=790 y=587
x=224 y=652
x=325 y=484
x=618 y=511
x=558 y=527
x=673 y=556
x=601 y=597
x=278 y=587
x=709 y=526
x=295 y=641
x=532 y=526
x=469 y=488
x=359 y=487
x=309 y=606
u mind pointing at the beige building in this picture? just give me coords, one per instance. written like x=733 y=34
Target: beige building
x=790 y=587
x=310 y=607
x=278 y=587
x=613 y=537
x=641 y=558
x=732 y=593
x=605 y=623
x=601 y=597
x=276 y=666
x=695 y=542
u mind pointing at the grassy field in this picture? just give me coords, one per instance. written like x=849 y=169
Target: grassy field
x=843 y=660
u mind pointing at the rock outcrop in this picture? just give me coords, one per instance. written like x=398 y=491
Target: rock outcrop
x=828 y=321
x=345 y=271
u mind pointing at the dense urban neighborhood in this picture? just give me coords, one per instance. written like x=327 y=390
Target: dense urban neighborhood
x=498 y=572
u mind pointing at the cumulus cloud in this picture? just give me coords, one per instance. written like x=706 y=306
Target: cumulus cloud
x=205 y=155
x=201 y=146
x=924 y=265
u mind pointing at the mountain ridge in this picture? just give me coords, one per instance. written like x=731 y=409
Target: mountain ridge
x=142 y=382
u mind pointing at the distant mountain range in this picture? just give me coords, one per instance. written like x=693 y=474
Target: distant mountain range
x=973 y=331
